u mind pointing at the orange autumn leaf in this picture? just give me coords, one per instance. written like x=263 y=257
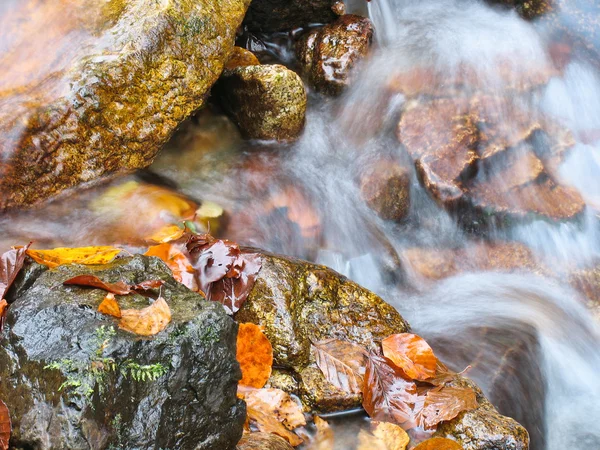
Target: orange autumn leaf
x=176 y=260
x=3 y=311
x=324 y=439
x=255 y=355
x=439 y=444
x=81 y=255
x=445 y=403
x=266 y=423
x=393 y=436
x=276 y=403
x=148 y=321
x=412 y=354
x=343 y=363
x=166 y=234
x=5 y=426
x=109 y=306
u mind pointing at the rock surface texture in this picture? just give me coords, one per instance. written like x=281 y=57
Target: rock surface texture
x=284 y=15
x=328 y=54
x=267 y=102
x=71 y=113
x=191 y=404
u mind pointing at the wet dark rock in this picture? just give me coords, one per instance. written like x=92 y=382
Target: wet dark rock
x=263 y=441
x=267 y=102
x=285 y=15
x=298 y=303
x=104 y=86
x=327 y=55
x=385 y=187
x=191 y=404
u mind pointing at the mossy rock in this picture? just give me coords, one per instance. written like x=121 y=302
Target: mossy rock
x=175 y=390
x=108 y=84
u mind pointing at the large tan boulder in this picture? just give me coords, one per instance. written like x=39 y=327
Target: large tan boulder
x=89 y=88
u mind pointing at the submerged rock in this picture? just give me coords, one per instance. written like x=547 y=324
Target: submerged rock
x=267 y=102
x=263 y=441
x=72 y=379
x=327 y=55
x=103 y=87
x=385 y=187
x=285 y=15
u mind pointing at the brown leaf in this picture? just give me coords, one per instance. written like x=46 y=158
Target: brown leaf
x=175 y=256
x=3 y=312
x=82 y=255
x=119 y=288
x=268 y=424
x=393 y=436
x=277 y=404
x=109 y=306
x=412 y=354
x=11 y=263
x=343 y=363
x=439 y=444
x=445 y=403
x=255 y=355
x=387 y=396
x=5 y=426
x=324 y=439
x=148 y=321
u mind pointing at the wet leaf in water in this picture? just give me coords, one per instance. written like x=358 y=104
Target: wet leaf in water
x=255 y=355
x=439 y=444
x=412 y=354
x=387 y=396
x=276 y=403
x=118 y=288
x=267 y=423
x=167 y=234
x=324 y=439
x=11 y=263
x=445 y=403
x=175 y=256
x=343 y=363
x=368 y=441
x=5 y=426
x=148 y=321
x=393 y=436
x=81 y=255
x=109 y=306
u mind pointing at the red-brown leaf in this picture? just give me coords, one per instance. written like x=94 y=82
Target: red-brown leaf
x=5 y=426
x=343 y=364
x=387 y=396
x=445 y=404
x=11 y=263
x=147 y=285
x=412 y=354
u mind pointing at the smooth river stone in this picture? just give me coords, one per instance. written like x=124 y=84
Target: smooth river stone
x=92 y=88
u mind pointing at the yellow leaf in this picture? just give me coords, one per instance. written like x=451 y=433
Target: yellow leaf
x=148 y=321
x=109 y=306
x=394 y=437
x=80 y=255
x=167 y=234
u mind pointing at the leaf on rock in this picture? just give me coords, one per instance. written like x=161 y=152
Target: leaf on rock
x=147 y=285
x=439 y=444
x=412 y=354
x=275 y=403
x=148 y=321
x=393 y=436
x=324 y=439
x=109 y=306
x=267 y=423
x=445 y=403
x=119 y=288
x=255 y=355
x=3 y=312
x=81 y=255
x=175 y=256
x=343 y=363
x=5 y=426
x=387 y=396
x=11 y=263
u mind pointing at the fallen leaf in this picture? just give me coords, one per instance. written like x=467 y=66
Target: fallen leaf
x=343 y=363
x=3 y=312
x=109 y=306
x=81 y=255
x=167 y=234
x=445 y=403
x=393 y=436
x=11 y=263
x=148 y=321
x=387 y=396
x=5 y=426
x=268 y=424
x=119 y=288
x=275 y=402
x=324 y=439
x=439 y=444
x=368 y=441
x=412 y=354
x=175 y=256
x=255 y=355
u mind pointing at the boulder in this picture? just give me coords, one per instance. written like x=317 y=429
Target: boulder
x=263 y=441
x=327 y=55
x=267 y=102
x=103 y=86
x=529 y=9
x=385 y=187
x=72 y=379
x=286 y=15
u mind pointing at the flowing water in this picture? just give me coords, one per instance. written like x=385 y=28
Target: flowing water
x=533 y=344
